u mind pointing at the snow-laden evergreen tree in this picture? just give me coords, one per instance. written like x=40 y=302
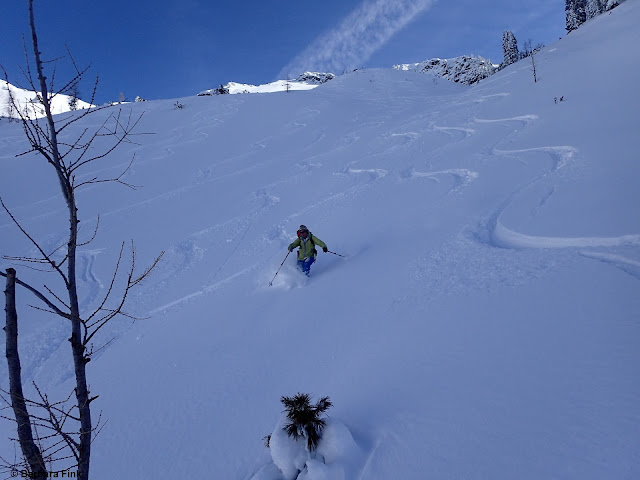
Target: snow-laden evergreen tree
x=576 y=13
x=581 y=10
x=305 y=419
x=594 y=8
x=509 y=48
x=612 y=3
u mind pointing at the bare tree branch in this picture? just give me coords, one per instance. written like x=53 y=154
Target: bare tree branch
x=55 y=309
x=45 y=257
x=95 y=234
x=91 y=329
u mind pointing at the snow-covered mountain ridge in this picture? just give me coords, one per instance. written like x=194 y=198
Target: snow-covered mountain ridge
x=483 y=324
x=466 y=69
x=26 y=102
x=306 y=81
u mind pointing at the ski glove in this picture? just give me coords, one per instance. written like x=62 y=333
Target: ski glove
x=290 y=249
x=325 y=249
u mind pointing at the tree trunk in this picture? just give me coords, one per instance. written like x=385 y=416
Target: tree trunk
x=30 y=450
x=77 y=345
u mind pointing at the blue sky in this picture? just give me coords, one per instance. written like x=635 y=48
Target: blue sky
x=175 y=48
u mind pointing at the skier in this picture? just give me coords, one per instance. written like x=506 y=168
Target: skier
x=307 y=242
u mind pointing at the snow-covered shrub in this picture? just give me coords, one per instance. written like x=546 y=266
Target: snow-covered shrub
x=288 y=454
x=334 y=455
x=337 y=456
x=305 y=419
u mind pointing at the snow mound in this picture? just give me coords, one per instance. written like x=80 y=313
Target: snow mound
x=338 y=457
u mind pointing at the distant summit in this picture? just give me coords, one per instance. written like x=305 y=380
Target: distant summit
x=27 y=102
x=306 y=81
x=466 y=69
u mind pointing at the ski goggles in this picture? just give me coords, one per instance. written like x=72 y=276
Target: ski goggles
x=303 y=233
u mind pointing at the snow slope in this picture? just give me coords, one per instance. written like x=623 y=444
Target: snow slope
x=484 y=325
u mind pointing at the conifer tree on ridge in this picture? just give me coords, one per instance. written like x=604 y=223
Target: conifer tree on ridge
x=509 y=48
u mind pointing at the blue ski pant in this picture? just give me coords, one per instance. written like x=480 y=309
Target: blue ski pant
x=305 y=265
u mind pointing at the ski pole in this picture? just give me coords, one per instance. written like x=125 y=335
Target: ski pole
x=274 y=277
x=343 y=256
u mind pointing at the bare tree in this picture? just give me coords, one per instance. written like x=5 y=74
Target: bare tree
x=531 y=52
x=67 y=159
x=533 y=67
x=30 y=451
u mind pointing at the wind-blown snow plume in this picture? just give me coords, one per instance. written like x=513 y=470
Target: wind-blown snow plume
x=357 y=37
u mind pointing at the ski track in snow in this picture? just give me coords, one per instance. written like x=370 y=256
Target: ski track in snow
x=506 y=238
x=374 y=173
x=525 y=119
x=463 y=177
x=484 y=98
x=194 y=132
x=370 y=458
x=407 y=137
x=349 y=192
x=543 y=201
x=185 y=188
x=561 y=156
x=206 y=176
x=632 y=267
x=192 y=250
x=88 y=276
x=204 y=291
x=500 y=236
x=319 y=137
x=464 y=131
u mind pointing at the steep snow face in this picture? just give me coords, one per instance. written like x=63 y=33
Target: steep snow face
x=482 y=324
x=306 y=81
x=27 y=103
x=466 y=69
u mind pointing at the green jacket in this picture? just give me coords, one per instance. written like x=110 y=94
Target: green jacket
x=306 y=247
